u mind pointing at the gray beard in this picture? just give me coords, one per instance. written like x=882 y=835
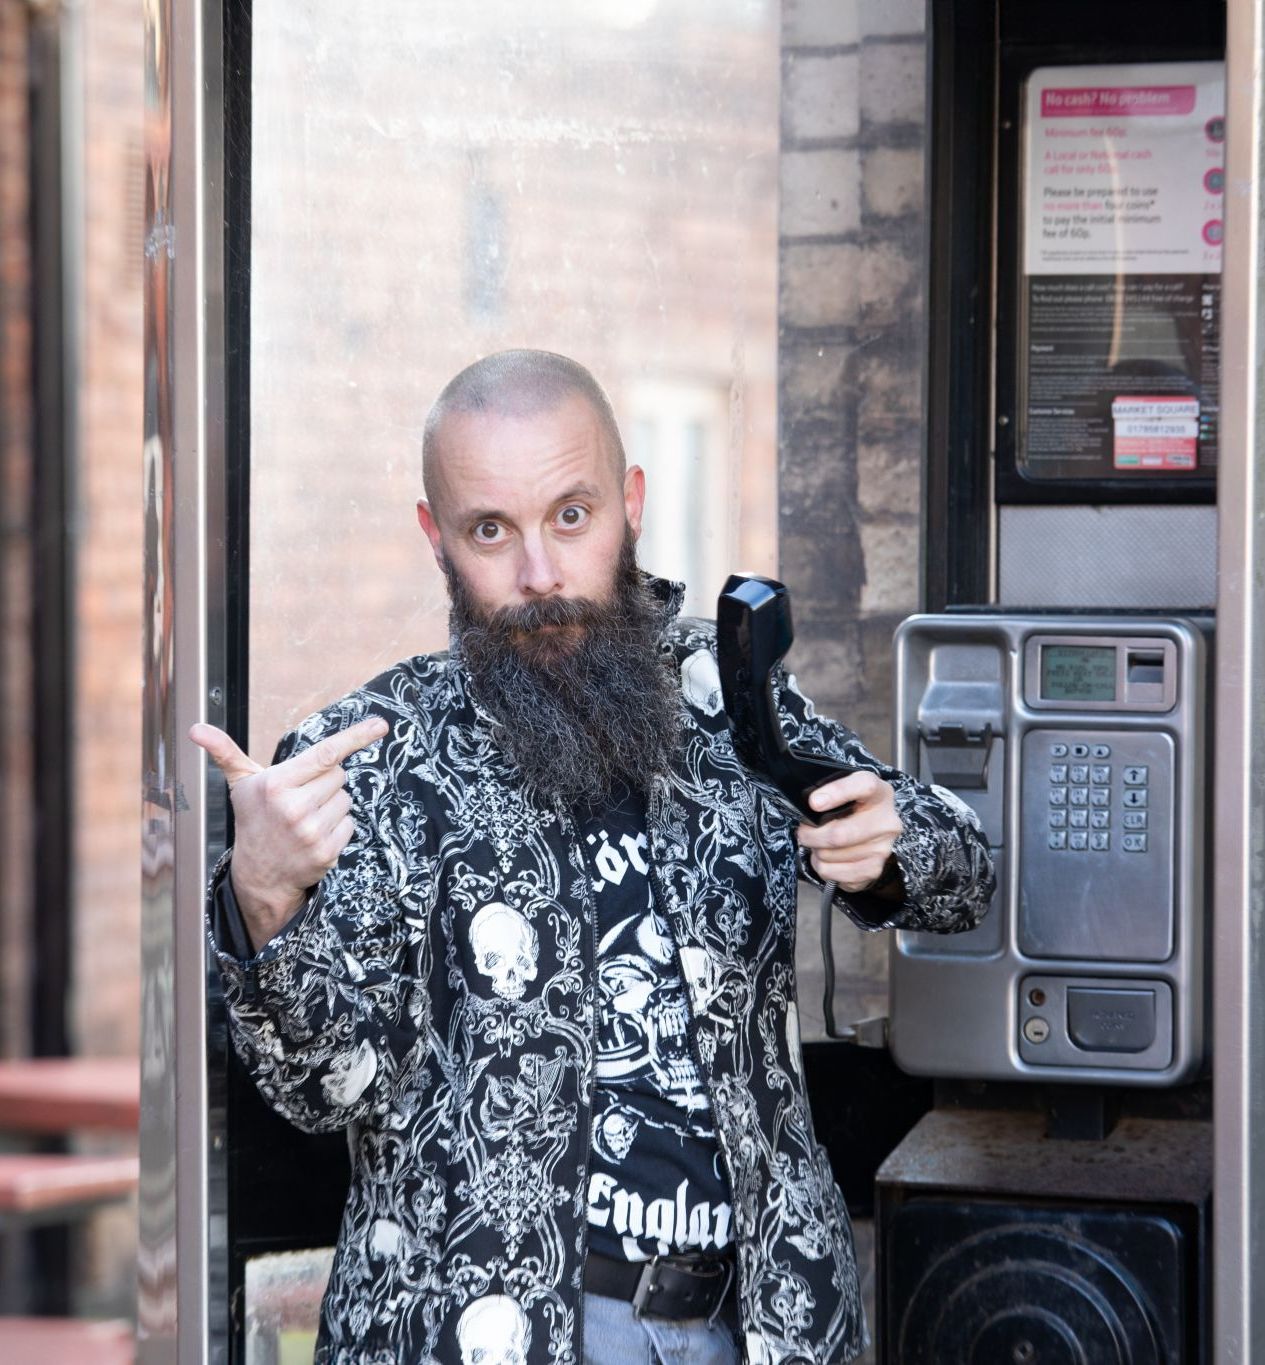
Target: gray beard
x=580 y=718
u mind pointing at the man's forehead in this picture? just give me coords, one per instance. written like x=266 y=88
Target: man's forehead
x=484 y=456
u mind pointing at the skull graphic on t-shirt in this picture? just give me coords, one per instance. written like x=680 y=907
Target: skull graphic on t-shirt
x=645 y=1026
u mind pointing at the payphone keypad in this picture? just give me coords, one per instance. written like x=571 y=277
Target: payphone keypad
x=1082 y=804
x=1096 y=844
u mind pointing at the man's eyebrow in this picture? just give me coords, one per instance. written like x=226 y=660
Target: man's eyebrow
x=579 y=490
x=477 y=514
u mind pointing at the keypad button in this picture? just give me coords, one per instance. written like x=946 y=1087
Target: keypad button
x=1058 y=796
x=1079 y=750
x=1102 y=772
x=1058 y=819
x=1080 y=772
x=1135 y=797
x=1078 y=819
x=1058 y=838
x=1058 y=772
x=1101 y=751
x=1135 y=776
x=1078 y=839
x=1078 y=796
x=1135 y=819
x=1100 y=796
x=1134 y=843
x=1100 y=841
x=1100 y=819
x=1058 y=750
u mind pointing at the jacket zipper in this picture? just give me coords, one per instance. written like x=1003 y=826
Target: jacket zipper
x=704 y=1076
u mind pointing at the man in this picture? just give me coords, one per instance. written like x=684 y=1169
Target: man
x=518 y=919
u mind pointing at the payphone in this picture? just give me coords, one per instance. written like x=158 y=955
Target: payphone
x=1059 y=684
x=1080 y=743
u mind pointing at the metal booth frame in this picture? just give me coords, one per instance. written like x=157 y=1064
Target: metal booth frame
x=196 y=480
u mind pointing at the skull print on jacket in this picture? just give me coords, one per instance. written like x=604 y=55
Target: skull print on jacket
x=437 y=998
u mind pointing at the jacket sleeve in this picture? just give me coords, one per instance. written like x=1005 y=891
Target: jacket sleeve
x=328 y=1014
x=943 y=856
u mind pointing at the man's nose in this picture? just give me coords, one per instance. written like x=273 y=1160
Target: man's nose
x=538 y=574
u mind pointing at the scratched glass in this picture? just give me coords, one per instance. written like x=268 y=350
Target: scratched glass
x=434 y=182
x=283 y=1304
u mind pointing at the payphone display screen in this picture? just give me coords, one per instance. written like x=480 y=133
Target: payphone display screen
x=1078 y=673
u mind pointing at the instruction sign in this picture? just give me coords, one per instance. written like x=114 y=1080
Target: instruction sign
x=1123 y=186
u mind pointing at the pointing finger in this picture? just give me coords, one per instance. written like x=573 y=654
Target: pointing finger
x=220 y=747
x=329 y=752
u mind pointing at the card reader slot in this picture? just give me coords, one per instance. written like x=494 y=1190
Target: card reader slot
x=1145 y=666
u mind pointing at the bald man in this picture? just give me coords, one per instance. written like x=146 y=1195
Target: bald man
x=517 y=919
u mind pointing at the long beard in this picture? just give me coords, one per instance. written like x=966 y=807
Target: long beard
x=586 y=699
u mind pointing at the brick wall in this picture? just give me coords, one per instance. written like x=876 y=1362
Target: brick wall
x=106 y=947
x=851 y=313
x=15 y=540
x=107 y=815
x=850 y=369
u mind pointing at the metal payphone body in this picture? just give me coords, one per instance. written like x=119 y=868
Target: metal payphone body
x=1079 y=740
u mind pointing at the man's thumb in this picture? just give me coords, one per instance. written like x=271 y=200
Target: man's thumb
x=232 y=762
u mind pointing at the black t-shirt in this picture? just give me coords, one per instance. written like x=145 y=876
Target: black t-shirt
x=655 y=1180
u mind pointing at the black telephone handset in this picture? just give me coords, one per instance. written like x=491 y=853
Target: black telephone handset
x=753 y=633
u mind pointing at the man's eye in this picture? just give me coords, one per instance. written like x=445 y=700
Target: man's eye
x=573 y=515
x=487 y=532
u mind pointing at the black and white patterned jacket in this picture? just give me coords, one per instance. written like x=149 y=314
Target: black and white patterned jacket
x=459 y=1055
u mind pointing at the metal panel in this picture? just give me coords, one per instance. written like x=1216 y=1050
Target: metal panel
x=183 y=457
x=1238 y=949
x=1086 y=915
x=1117 y=558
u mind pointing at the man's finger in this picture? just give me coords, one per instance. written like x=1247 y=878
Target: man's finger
x=865 y=824
x=230 y=759
x=316 y=791
x=860 y=786
x=329 y=752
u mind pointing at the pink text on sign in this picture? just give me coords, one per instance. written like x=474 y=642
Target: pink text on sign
x=1117 y=101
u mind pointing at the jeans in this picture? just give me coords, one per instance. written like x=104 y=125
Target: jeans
x=614 y=1335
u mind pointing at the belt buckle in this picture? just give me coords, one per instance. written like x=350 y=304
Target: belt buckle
x=646 y=1286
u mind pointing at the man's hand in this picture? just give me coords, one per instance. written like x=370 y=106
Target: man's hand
x=292 y=820
x=853 y=850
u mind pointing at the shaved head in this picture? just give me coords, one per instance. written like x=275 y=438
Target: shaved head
x=517 y=383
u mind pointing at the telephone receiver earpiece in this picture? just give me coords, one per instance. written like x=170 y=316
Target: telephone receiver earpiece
x=753 y=635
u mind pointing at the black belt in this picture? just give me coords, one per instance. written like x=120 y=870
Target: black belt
x=665 y=1287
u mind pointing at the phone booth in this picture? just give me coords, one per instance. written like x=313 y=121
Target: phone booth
x=1085 y=671
x=1057 y=1203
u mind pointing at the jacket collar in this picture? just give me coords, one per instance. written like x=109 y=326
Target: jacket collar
x=667 y=593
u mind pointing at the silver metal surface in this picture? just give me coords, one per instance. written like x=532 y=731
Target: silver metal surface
x=1113 y=917
x=183 y=356
x=1238 y=850
x=1111 y=558
x=1117 y=900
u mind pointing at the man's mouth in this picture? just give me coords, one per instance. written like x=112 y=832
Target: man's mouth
x=548 y=638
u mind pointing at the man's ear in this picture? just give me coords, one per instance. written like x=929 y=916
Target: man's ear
x=427 y=521
x=634 y=498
